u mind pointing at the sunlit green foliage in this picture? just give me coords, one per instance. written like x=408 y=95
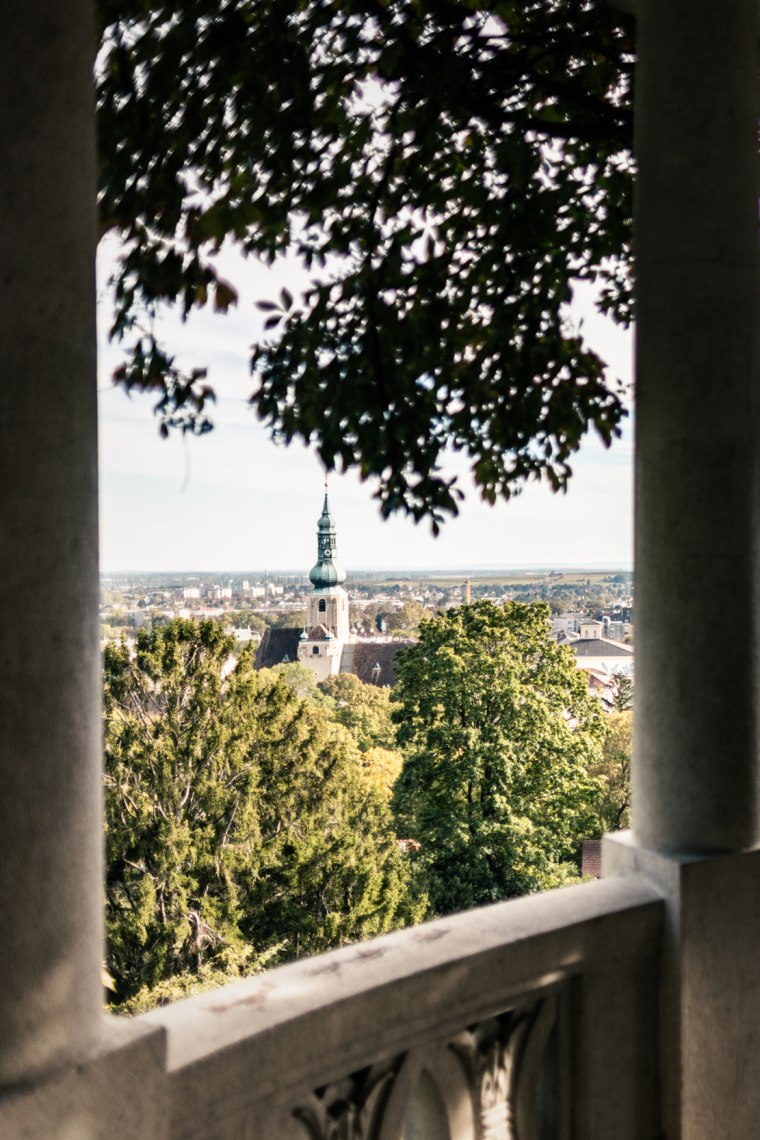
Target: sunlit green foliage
x=613 y=770
x=365 y=710
x=241 y=827
x=406 y=621
x=499 y=731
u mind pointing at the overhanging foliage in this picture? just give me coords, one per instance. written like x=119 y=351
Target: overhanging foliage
x=446 y=168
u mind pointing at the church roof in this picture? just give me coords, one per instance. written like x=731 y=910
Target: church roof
x=277 y=647
x=372 y=662
x=326 y=521
x=319 y=633
x=326 y=574
x=600 y=647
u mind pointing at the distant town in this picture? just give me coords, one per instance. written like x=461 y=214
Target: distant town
x=587 y=606
x=248 y=602
x=338 y=700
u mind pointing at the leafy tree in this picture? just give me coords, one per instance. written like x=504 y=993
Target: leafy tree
x=241 y=828
x=613 y=770
x=302 y=680
x=365 y=710
x=383 y=767
x=407 y=619
x=293 y=619
x=117 y=620
x=499 y=731
x=250 y=618
x=446 y=170
x=623 y=690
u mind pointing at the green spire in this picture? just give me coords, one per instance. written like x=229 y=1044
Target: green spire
x=326 y=572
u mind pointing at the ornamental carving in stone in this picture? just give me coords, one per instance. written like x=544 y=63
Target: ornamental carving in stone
x=501 y=1060
x=350 y=1109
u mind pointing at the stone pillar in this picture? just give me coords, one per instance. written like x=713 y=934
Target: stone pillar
x=695 y=771
x=695 y=781
x=50 y=831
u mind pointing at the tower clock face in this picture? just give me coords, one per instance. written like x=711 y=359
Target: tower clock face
x=328 y=552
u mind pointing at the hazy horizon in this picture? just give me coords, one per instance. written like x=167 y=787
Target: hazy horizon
x=390 y=570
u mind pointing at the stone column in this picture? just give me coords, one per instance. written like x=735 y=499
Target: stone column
x=695 y=794
x=50 y=831
x=697 y=684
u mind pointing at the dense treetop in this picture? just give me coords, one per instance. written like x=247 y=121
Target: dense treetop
x=364 y=709
x=252 y=816
x=242 y=827
x=500 y=735
x=613 y=769
x=446 y=169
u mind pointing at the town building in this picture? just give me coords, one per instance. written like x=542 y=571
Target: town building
x=567 y=623
x=596 y=652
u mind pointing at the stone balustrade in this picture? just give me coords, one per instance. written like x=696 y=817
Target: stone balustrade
x=529 y=1019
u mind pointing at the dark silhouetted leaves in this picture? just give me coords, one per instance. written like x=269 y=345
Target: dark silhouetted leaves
x=446 y=170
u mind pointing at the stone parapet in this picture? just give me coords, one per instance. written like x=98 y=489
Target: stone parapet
x=540 y=1009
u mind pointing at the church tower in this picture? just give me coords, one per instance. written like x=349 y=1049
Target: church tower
x=327 y=628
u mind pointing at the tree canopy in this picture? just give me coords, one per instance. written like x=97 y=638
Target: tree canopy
x=613 y=770
x=446 y=169
x=241 y=826
x=365 y=710
x=499 y=731
x=407 y=619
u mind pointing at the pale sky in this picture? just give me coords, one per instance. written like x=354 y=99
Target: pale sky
x=232 y=500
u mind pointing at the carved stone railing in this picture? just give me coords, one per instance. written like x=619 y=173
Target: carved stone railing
x=521 y=1021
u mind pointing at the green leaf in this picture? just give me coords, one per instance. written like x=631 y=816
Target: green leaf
x=509 y=135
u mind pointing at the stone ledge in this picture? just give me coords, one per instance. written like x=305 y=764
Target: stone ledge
x=119 y=1091
x=304 y=1025
x=710 y=984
